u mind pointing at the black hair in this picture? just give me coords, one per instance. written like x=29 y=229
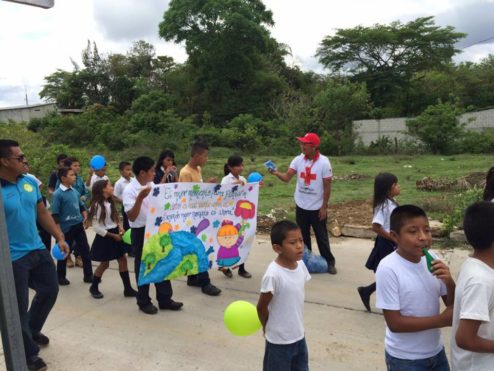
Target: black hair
x=489 y=185
x=234 y=160
x=60 y=157
x=478 y=225
x=198 y=148
x=280 y=230
x=401 y=214
x=383 y=182
x=69 y=161
x=122 y=165
x=142 y=163
x=164 y=154
x=5 y=147
x=63 y=171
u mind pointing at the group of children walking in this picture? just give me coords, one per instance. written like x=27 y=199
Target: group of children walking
x=408 y=291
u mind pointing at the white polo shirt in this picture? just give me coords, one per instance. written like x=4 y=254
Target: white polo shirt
x=310 y=175
x=120 y=186
x=129 y=197
x=230 y=179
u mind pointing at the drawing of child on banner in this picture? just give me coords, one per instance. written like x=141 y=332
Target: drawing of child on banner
x=192 y=227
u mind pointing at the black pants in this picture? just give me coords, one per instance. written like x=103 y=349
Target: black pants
x=164 y=289
x=45 y=237
x=77 y=234
x=36 y=271
x=125 y=220
x=310 y=218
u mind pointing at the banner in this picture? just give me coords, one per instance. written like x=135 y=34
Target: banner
x=192 y=227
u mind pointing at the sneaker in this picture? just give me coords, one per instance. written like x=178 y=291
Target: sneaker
x=171 y=305
x=70 y=262
x=244 y=274
x=130 y=293
x=210 y=290
x=332 y=270
x=88 y=279
x=149 y=309
x=78 y=261
x=95 y=293
x=36 y=364
x=365 y=297
x=62 y=281
x=227 y=272
x=41 y=339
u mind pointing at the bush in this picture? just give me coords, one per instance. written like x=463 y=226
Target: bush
x=475 y=142
x=461 y=201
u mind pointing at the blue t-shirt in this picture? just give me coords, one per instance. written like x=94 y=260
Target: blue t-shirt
x=67 y=204
x=20 y=201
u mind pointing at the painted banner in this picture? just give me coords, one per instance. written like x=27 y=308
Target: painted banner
x=192 y=227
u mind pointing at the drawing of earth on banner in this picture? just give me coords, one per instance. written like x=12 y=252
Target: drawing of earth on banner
x=192 y=227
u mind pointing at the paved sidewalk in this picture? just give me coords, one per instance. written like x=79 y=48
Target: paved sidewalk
x=111 y=334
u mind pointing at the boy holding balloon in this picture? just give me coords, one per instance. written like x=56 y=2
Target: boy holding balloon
x=281 y=303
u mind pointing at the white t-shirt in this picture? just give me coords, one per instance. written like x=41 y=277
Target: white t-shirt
x=95 y=177
x=108 y=223
x=310 y=174
x=230 y=179
x=129 y=197
x=286 y=310
x=120 y=186
x=415 y=292
x=474 y=299
x=382 y=214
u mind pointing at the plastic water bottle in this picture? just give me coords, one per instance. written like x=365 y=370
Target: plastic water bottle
x=430 y=256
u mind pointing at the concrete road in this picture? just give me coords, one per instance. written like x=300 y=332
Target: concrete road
x=112 y=334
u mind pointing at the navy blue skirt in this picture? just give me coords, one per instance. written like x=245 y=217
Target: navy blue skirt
x=382 y=248
x=105 y=248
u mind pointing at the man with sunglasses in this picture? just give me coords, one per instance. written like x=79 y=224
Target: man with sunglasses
x=32 y=264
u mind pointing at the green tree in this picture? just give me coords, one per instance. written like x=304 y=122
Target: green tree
x=386 y=57
x=65 y=88
x=234 y=61
x=438 y=127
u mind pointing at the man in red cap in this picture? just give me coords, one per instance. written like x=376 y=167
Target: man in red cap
x=312 y=193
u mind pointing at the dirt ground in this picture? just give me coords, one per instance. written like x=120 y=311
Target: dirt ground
x=352 y=212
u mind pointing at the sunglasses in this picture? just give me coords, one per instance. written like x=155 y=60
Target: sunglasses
x=21 y=158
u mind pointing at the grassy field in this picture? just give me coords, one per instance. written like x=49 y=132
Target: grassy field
x=408 y=169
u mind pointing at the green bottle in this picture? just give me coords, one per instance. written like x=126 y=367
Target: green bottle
x=430 y=257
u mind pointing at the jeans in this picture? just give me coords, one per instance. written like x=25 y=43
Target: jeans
x=286 y=357
x=164 y=289
x=310 y=218
x=439 y=362
x=36 y=271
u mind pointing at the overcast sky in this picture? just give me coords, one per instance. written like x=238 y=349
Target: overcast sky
x=34 y=42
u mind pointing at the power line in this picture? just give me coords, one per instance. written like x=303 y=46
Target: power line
x=478 y=42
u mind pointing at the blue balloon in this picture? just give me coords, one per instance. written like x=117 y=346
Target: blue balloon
x=57 y=253
x=254 y=177
x=97 y=162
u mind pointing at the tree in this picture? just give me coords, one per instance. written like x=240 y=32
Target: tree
x=386 y=57
x=438 y=127
x=233 y=58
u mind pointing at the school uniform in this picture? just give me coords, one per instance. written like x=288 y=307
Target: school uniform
x=105 y=248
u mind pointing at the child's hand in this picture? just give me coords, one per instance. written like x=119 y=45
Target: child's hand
x=121 y=230
x=446 y=317
x=117 y=237
x=441 y=271
x=144 y=192
x=212 y=180
x=90 y=171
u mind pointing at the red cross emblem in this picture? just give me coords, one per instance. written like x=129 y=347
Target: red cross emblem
x=307 y=176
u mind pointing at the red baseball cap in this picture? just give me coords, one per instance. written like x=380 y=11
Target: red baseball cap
x=310 y=138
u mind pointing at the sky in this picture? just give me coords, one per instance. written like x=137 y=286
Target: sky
x=35 y=42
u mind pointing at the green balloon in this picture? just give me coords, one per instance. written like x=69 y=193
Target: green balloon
x=241 y=318
x=126 y=237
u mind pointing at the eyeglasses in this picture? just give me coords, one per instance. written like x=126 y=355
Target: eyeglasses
x=21 y=158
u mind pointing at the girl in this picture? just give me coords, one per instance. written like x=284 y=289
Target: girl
x=386 y=187
x=489 y=186
x=166 y=168
x=107 y=244
x=233 y=168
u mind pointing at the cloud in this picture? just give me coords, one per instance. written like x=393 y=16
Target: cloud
x=123 y=20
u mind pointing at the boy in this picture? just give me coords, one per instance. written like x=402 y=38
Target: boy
x=136 y=205
x=52 y=181
x=95 y=175
x=125 y=170
x=409 y=295
x=281 y=303
x=192 y=173
x=472 y=335
x=69 y=211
